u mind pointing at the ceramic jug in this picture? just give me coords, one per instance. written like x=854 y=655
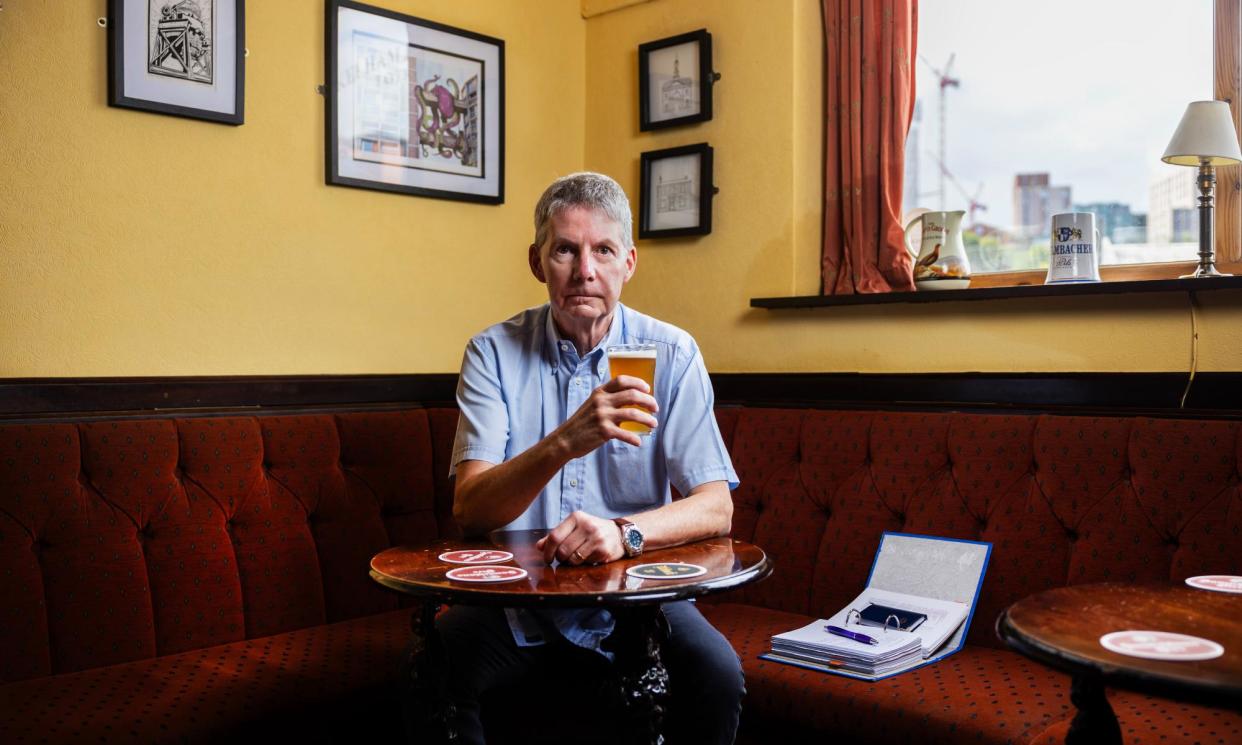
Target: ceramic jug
x=940 y=261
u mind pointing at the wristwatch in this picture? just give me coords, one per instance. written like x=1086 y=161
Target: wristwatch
x=631 y=536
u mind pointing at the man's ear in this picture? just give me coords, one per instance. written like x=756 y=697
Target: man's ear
x=631 y=263
x=536 y=266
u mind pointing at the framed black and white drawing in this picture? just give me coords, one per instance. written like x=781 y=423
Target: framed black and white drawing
x=179 y=57
x=677 y=192
x=675 y=81
x=413 y=106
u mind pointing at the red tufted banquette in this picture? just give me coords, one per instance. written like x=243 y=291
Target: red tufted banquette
x=190 y=579
x=196 y=578
x=1063 y=499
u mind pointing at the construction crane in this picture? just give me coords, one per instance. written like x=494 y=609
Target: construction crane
x=946 y=81
x=972 y=202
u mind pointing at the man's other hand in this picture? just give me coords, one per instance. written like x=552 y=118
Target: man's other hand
x=599 y=418
x=582 y=539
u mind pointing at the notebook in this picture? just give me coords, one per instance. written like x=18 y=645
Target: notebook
x=932 y=582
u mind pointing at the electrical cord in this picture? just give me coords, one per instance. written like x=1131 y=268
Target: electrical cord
x=1194 y=345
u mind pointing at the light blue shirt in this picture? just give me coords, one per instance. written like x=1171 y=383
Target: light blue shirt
x=520 y=380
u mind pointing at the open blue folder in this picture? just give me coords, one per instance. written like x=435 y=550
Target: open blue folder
x=939 y=576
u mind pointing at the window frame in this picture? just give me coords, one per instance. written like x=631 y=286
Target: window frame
x=1227 y=77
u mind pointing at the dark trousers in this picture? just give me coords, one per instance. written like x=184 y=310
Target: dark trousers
x=705 y=674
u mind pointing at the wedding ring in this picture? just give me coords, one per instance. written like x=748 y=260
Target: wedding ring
x=578 y=556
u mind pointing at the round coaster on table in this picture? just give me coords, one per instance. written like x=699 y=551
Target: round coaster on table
x=476 y=556
x=673 y=570
x=1161 y=645
x=1217 y=583
x=485 y=574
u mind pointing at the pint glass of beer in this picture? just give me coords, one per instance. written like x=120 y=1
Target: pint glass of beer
x=635 y=360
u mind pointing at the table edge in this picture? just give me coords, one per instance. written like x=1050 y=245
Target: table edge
x=483 y=595
x=1067 y=662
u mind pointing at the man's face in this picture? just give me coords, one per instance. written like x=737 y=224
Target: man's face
x=584 y=262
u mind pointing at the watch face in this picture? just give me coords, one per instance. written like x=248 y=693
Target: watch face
x=634 y=538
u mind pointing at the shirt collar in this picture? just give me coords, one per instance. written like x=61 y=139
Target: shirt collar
x=557 y=349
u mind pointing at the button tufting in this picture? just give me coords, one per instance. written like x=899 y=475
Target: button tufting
x=1072 y=535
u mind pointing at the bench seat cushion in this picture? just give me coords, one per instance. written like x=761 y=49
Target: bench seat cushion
x=979 y=695
x=311 y=684
x=1150 y=720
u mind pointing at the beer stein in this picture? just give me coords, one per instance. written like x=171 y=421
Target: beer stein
x=1075 y=249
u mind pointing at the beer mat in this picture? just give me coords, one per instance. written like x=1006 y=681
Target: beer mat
x=1161 y=645
x=475 y=557
x=673 y=570
x=485 y=574
x=1217 y=583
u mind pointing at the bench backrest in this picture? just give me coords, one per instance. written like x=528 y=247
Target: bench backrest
x=1064 y=500
x=126 y=539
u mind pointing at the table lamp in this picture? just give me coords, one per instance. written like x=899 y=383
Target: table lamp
x=1205 y=138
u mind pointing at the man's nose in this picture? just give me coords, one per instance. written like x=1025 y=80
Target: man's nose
x=585 y=266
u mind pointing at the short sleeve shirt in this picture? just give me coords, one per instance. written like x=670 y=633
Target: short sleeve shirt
x=519 y=381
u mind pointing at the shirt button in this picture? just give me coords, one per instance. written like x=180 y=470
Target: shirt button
x=573 y=482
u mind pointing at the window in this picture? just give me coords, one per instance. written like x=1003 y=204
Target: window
x=1064 y=106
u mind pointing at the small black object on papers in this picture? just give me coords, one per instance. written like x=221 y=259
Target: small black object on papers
x=930 y=585
x=886 y=616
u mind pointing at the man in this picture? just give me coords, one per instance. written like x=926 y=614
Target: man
x=539 y=445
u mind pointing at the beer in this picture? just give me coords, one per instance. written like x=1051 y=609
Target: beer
x=638 y=361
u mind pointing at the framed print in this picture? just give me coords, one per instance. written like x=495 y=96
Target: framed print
x=179 y=57
x=677 y=192
x=413 y=106
x=675 y=81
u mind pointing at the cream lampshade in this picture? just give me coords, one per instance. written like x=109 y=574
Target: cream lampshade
x=1205 y=138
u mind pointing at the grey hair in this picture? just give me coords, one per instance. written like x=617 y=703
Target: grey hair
x=584 y=189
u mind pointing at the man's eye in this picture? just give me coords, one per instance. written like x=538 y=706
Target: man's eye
x=605 y=250
x=563 y=249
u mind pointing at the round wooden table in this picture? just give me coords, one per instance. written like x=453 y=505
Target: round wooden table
x=1062 y=628
x=635 y=603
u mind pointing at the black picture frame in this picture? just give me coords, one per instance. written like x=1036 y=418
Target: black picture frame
x=666 y=97
x=453 y=145
x=190 y=78
x=676 y=191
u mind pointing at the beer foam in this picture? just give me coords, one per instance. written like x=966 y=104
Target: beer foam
x=634 y=354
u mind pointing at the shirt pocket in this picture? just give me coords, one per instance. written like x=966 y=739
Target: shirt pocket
x=627 y=477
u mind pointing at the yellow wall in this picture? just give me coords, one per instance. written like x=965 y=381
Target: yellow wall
x=764 y=242
x=138 y=244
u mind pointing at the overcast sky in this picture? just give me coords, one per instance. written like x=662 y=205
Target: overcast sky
x=1088 y=90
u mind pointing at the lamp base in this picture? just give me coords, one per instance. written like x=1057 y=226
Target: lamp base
x=1204 y=271
x=1207 y=233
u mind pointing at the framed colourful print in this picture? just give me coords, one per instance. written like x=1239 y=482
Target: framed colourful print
x=413 y=106
x=677 y=192
x=178 y=57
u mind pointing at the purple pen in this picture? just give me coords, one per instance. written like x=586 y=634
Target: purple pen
x=851 y=635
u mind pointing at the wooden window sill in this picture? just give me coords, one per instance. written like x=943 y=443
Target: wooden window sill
x=998 y=293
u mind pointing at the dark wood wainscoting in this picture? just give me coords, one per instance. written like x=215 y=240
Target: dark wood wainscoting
x=1161 y=394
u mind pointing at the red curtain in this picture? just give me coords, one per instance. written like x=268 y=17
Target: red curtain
x=869 y=55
